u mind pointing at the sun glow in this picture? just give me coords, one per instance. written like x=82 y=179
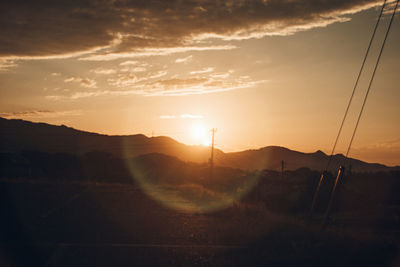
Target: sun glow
x=200 y=134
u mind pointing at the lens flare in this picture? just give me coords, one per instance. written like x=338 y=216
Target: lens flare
x=184 y=186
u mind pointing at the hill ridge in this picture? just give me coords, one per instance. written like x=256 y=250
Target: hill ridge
x=17 y=135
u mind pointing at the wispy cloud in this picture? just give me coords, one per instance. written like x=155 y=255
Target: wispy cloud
x=196 y=86
x=6 y=64
x=158 y=74
x=148 y=52
x=223 y=75
x=184 y=59
x=131 y=85
x=204 y=70
x=29 y=114
x=159 y=84
x=85 y=82
x=130 y=79
x=389 y=7
x=124 y=80
x=138 y=69
x=104 y=71
x=129 y=62
x=43 y=54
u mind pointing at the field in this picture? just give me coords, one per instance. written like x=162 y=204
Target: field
x=48 y=223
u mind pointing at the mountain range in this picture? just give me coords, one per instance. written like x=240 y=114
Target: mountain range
x=20 y=135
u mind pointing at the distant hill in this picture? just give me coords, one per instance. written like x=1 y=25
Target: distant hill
x=19 y=135
x=271 y=157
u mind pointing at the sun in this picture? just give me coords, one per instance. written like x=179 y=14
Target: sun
x=200 y=134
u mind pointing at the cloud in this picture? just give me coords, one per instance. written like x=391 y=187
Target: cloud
x=129 y=62
x=29 y=114
x=184 y=59
x=134 y=66
x=158 y=74
x=78 y=95
x=104 y=71
x=16 y=57
x=204 y=70
x=6 y=64
x=159 y=84
x=129 y=79
x=124 y=80
x=389 y=8
x=223 y=74
x=148 y=52
x=193 y=86
x=132 y=85
x=178 y=83
x=85 y=82
x=138 y=69
x=106 y=30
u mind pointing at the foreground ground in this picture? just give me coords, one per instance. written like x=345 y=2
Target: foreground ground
x=83 y=224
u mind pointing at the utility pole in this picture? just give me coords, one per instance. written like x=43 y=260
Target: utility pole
x=213 y=130
x=338 y=179
x=315 y=198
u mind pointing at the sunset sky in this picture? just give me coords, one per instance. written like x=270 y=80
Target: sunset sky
x=264 y=72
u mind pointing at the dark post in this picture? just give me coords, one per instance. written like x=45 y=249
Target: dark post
x=317 y=193
x=339 y=177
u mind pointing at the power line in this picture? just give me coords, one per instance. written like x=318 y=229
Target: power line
x=355 y=85
x=348 y=107
x=371 y=81
x=341 y=169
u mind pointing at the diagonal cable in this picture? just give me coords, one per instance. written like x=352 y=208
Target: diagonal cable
x=348 y=106
x=355 y=85
x=370 y=82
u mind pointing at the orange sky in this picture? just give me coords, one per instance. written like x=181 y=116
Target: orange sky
x=262 y=72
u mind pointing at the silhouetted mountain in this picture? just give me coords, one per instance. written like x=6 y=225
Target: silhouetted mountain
x=19 y=135
x=271 y=158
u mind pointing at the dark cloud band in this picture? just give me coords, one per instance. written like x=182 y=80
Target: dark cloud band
x=49 y=28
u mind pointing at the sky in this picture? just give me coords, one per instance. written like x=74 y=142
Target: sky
x=261 y=72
